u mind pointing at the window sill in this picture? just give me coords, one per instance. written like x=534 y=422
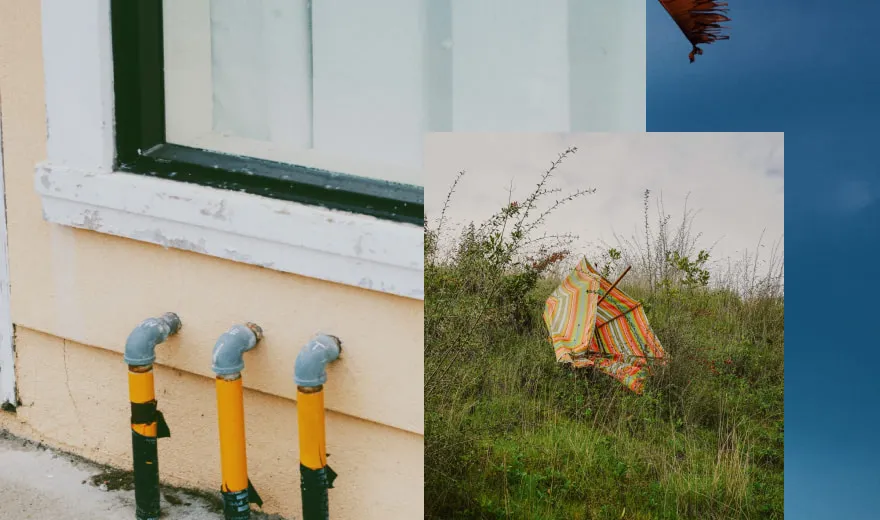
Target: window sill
x=311 y=241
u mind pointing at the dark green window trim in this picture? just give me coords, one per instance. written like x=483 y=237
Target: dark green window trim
x=139 y=84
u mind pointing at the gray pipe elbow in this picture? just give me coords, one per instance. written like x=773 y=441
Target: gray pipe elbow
x=313 y=358
x=228 y=357
x=140 y=347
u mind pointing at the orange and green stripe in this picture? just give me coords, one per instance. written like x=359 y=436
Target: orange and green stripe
x=613 y=335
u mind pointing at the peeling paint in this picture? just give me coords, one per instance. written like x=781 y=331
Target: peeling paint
x=157 y=237
x=221 y=213
x=91 y=219
x=182 y=243
x=285 y=237
x=232 y=254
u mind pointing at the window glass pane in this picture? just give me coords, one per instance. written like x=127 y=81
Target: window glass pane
x=369 y=96
x=353 y=86
x=547 y=65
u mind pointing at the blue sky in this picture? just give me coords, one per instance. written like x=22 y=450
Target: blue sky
x=801 y=68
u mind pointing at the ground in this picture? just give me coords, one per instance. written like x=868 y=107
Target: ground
x=39 y=482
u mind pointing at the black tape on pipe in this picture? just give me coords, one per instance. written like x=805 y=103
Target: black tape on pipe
x=314 y=484
x=143 y=413
x=253 y=496
x=146 y=476
x=162 y=430
x=236 y=504
x=146 y=413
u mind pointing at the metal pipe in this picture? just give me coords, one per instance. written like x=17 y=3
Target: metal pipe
x=228 y=362
x=316 y=477
x=309 y=370
x=140 y=348
x=147 y=422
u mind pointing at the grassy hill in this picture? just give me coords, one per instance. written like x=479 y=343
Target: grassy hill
x=510 y=433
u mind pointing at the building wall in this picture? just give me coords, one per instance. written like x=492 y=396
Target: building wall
x=77 y=294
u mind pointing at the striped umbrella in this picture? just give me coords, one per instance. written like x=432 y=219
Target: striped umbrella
x=592 y=323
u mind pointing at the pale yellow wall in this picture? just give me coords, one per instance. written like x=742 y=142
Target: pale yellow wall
x=77 y=294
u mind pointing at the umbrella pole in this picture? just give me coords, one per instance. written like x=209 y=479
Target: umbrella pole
x=619 y=278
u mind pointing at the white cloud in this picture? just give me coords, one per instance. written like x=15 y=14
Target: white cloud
x=854 y=195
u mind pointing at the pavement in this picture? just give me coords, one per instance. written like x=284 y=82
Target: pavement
x=38 y=482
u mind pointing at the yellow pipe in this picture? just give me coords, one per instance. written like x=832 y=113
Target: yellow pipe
x=310 y=416
x=147 y=423
x=227 y=363
x=230 y=415
x=309 y=372
x=140 y=391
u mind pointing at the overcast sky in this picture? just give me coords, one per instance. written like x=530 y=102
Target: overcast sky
x=734 y=180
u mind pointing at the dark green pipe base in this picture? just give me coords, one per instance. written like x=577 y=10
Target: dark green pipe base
x=314 y=484
x=146 y=476
x=236 y=504
x=146 y=460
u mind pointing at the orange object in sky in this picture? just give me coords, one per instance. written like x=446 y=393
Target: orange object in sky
x=699 y=20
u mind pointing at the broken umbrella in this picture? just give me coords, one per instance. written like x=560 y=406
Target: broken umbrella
x=699 y=20
x=592 y=323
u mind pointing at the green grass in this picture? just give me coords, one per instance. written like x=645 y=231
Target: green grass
x=513 y=434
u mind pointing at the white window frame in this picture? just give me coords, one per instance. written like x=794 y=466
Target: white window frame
x=79 y=187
